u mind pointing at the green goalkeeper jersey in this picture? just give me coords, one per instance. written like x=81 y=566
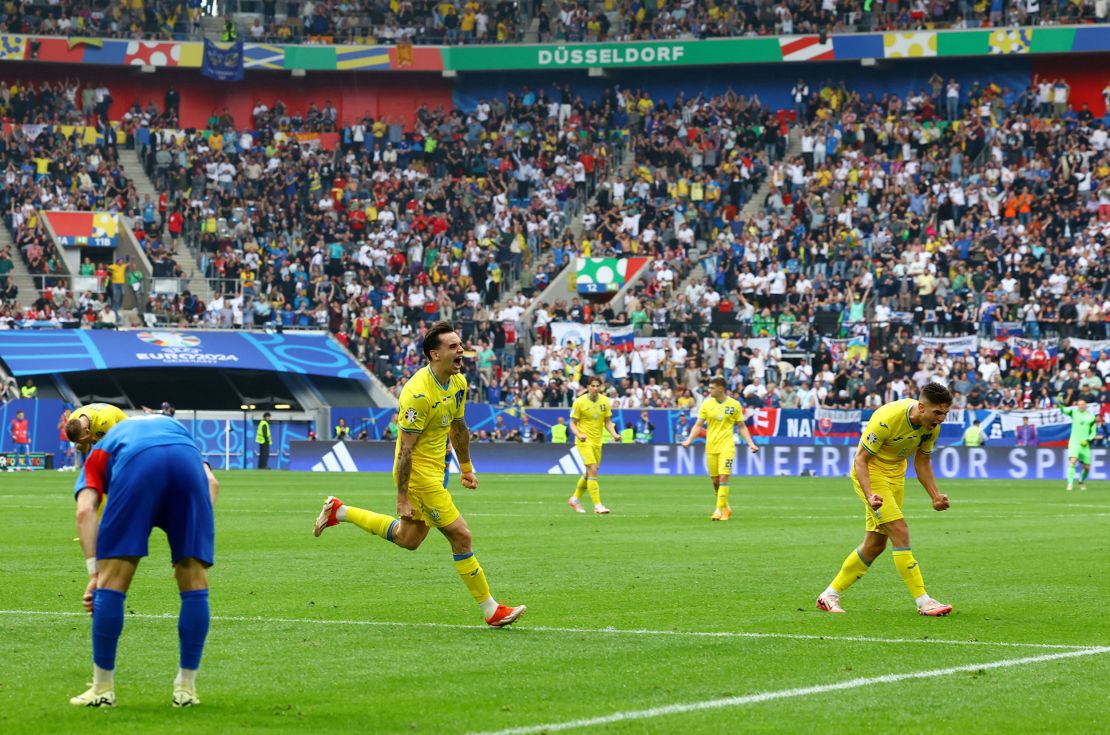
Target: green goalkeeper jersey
x=1082 y=425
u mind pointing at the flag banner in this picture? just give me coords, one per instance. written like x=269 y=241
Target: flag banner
x=1002 y=330
x=223 y=64
x=1092 y=345
x=617 y=338
x=571 y=333
x=832 y=422
x=951 y=345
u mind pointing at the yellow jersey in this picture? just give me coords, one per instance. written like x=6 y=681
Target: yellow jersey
x=102 y=416
x=892 y=438
x=428 y=408
x=720 y=419
x=592 y=416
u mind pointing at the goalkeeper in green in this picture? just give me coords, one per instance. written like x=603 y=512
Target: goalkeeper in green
x=1083 y=430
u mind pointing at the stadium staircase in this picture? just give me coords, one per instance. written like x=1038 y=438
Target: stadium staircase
x=133 y=167
x=750 y=210
x=19 y=275
x=559 y=288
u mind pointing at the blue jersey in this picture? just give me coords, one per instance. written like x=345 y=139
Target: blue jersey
x=149 y=474
x=122 y=443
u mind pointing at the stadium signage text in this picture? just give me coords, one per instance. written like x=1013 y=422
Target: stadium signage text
x=949 y=463
x=610 y=55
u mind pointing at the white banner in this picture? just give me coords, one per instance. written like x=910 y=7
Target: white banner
x=1013 y=419
x=951 y=345
x=763 y=344
x=571 y=333
x=1094 y=345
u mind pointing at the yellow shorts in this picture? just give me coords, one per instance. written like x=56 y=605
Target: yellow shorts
x=720 y=464
x=432 y=505
x=591 y=453
x=891 y=486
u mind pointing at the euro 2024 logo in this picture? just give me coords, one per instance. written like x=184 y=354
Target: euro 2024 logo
x=170 y=339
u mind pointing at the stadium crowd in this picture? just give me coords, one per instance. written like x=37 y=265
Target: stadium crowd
x=452 y=22
x=138 y=20
x=902 y=216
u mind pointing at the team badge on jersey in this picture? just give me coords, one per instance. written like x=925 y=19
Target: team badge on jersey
x=410 y=416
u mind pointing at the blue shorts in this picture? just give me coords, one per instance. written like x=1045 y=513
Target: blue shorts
x=163 y=487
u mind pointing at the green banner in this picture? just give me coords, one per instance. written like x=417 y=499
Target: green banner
x=313 y=58
x=1052 y=40
x=613 y=55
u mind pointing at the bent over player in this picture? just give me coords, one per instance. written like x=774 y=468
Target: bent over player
x=146 y=472
x=897 y=431
x=431 y=407
x=719 y=414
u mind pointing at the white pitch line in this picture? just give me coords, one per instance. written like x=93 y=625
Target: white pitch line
x=675 y=709
x=585 y=631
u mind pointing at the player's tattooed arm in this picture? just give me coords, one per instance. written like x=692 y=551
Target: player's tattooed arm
x=460 y=440
x=404 y=472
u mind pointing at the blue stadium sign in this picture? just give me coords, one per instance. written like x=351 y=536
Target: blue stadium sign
x=73 y=350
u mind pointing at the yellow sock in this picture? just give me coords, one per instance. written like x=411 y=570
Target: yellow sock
x=595 y=490
x=722 y=497
x=908 y=567
x=580 y=488
x=375 y=523
x=852 y=569
x=472 y=576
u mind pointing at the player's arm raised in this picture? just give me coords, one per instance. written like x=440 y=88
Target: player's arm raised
x=923 y=466
x=695 y=430
x=460 y=440
x=862 y=466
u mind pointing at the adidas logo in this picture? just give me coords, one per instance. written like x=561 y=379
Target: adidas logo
x=338 y=459
x=570 y=464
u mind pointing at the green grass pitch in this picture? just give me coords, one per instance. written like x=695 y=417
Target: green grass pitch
x=345 y=633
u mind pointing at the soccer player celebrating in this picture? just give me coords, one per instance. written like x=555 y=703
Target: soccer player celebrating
x=1083 y=430
x=431 y=408
x=152 y=471
x=720 y=413
x=589 y=414
x=896 y=431
x=88 y=424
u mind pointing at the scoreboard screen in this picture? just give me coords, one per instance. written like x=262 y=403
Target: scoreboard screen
x=32 y=461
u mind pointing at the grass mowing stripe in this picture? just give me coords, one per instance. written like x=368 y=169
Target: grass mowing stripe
x=675 y=709
x=578 y=631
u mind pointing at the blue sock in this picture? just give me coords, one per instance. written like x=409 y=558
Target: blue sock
x=106 y=626
x=192 y=627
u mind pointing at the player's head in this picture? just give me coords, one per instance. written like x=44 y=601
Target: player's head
x=593 y=386
x=1081 y=404
x=19 y=415
x=717 y=388
x=444 y=348
x=79 y=431
x=933 y=404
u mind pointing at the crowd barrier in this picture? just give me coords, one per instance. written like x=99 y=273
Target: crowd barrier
x=949 y=463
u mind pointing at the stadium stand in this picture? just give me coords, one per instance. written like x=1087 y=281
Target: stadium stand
x=906 y=216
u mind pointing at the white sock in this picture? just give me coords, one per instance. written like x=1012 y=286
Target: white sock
x=341 y=514
x=188 y=677
x=922 y=600
x=830 y=591
x=489 y=607
x=103 y=678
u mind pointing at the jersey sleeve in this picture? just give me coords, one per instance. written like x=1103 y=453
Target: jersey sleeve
x=460 y=399
x=413 y=413
x=93 y=474
x=876 y=433
x=703 y=412
x=576 y=411
x=929 y=441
